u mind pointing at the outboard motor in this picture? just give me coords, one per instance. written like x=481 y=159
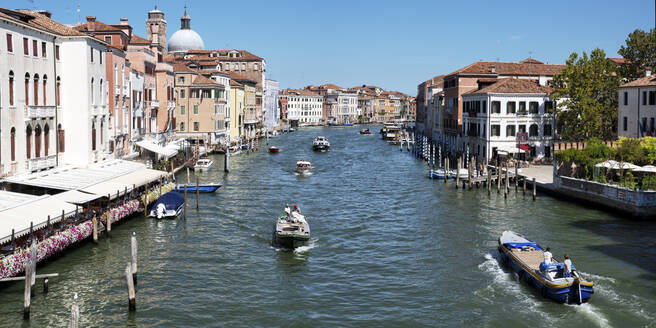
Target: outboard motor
x=161 y=209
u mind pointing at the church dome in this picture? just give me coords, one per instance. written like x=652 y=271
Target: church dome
x=185 y=38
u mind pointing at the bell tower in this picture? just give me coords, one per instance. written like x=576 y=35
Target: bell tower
x=155 y=24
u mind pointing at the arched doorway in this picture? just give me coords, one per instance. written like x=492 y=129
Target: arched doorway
x=46 y=139
x=37 y=141
x=13 y=144
x=93 y=136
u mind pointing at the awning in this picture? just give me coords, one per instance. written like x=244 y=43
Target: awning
x=35 y=211
x=110 y=188
x=150 y=146
x=141 y=177
x=76 y=197
x=525 y=147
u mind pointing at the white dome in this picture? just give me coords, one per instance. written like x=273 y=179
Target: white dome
x=184 y=40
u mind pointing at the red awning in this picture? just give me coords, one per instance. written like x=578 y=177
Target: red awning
x=524 y=147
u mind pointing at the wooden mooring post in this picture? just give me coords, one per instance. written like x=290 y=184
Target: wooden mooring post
x=197 y=192
x=146 y=202
x=94 y=220
x=507 y=184
x=133 y=256
x=446 y=169
x=498 y=172
x=132 y=303
x=534 y=189
x=489 y=180
x=184 y=216
x=75 y=313
x=524 y=192
x=458 y=174
x=516 y=176
x=226 y=158
x=28 y=293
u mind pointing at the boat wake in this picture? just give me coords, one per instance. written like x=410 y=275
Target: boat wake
x=504 y=283
x=591 y=312
x=312 y=243
x=603 y=287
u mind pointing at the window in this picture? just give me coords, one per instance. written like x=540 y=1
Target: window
x=37 y=141
x=28 y=142
x=10 y=43
x=533 y=107
x=35 y=48
x=57 y=95
x=61 y=144
x=45 y=80
x=652 y=98
x=510 y=131
x=181 y=79
x=57 y=52
x=522 y=128
x=495 y=130
x=626 y=98
x=644 y=124
x=510 y=107
x=182 y=109
x=13 y=144
x=36 y=89
x=27 y=89
x=651 y=124
x=496 y=107
x=195 y=109
x=196 y=126
x=43 y=50
x=182 y=93
x=108 y=39
x=91 y=49
x=93 y=136
x=92 y=91
x=101 y=94
x=484 y=107
x=644 y=97
x=522 y=107
x=547 y=130
x=11 y=88
x=46 y=139
x=533 y=130
x=100 y=56
x=26 y=47
x=548 y=106
x=624 y=123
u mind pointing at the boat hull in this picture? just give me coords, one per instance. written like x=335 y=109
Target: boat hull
x=290 y=242
x=274 y=150
x=564 y=293
x=321 y=148
x=201 y=188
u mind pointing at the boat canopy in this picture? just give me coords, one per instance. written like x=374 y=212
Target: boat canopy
x=171 y=200
x=522 y=245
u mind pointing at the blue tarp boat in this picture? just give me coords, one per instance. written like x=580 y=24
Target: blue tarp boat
x=437 y=174
x=169 y=206
x=203 y=188
x=526 y=259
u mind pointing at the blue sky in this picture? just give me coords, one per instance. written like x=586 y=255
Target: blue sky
x=393 y=44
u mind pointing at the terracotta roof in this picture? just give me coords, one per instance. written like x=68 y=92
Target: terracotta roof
x=239 y=77
x=510 y=85
x=530 y=61
x=234 y=83
x=99 y=27
x=201 y=80
x=38 y=21
x=641 y=82
x=499 y=68
x=330 y=86
x=138 y=40
x=205 y=54
x=436 y=80
x=299 y=92
x=179 y=67
x=618 y=60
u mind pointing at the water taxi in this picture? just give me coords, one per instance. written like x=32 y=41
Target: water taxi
x=321 y=144
x=303 y=166
x=274 y=149
x=390 y=132
x=169 y=206
x=526 y=259
x=291 y=230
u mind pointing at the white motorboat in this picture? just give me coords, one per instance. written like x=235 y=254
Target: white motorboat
x=321 y=144
x=303 y=166
x=291 y=230
x=203 y=164
x=462 y=174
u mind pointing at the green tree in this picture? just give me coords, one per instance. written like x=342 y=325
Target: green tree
x=640 y=53
x=587 y=92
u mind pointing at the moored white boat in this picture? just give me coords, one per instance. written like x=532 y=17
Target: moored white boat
x=169 y=206
x=462 y=174
x=437 y=174
x=526 y=259
x=203 y=164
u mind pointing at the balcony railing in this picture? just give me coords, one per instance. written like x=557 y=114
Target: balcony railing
x=171 y=104
x=117 y=90
x=126 y=91
x=41 y=163
x=154 y=103
x=39 y=111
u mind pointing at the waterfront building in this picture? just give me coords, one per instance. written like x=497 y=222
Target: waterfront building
x=117 y=68
x=201 y=104
x=271 y=113
x=424 y=111
x=412 y=108
x=303 y=106
x=237 y=101
x=282 y=104
x=143 y=60
x=343 y=106
x=366 y=107
x=510 y=116
x=637 y=107
x=251 y=121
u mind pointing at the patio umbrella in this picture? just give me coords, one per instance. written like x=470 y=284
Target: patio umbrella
x=625 y=166
x=607 y=164
x=646 y=168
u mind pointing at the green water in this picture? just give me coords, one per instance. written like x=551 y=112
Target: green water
x=389 y=248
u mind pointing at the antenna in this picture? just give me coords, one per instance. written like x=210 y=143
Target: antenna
x=78 y=13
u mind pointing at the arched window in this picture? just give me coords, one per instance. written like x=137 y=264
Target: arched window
x=93 y=136
x=13 y=144
x=533 y=130
x=101 y=93
x=28 y=142
x=36 y=89
x=11 y=88
x=58 y=95
x=115 y=73
x=46 y=139
x=182 y=127
x=45 y=84
x=37 y=141
x=92 y=90
x=61 y=145
x=27 y=89
x=102 y=135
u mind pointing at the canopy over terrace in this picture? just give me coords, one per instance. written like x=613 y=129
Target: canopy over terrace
x=17 y=211
x=169 y=151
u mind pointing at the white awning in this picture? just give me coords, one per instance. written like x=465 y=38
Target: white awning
x=150 y=146
x=36 y=211
x=110 y=188
x=76 y=197
x=141 y=177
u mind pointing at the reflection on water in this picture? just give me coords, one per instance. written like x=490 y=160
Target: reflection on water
x=389 y=248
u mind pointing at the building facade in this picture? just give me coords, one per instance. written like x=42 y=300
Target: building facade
x=637 y=108
x=304 y=106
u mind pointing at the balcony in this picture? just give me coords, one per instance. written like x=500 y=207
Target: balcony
x=34 y=112
x=95 y=110
x=117 y=90
x=170 y=104
x=154 y=103
x=126 y=91
x=41 y=163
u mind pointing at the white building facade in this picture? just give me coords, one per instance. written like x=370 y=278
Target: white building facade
x=271 y=111
x=510 y=117
x=346 y=105
x=304 y=106
x=637 y=108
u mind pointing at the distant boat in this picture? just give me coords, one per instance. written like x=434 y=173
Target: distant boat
x=274 y=149
x=526 y=259
x=244 y=147
x=462 y=174
x=303 y=166
x=203 y=164
x=169 y=206
x=202 y=188
x=436 y=174
x=365 y=131
x=291 y=231
x=321 y=144
x=348 y=124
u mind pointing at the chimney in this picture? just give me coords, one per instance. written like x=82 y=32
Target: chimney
x=648 y=72
x=91 y=23
x=124 y=21
x=45 y=13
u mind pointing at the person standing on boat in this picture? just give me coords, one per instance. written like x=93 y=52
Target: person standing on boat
x=548 y=257
x=288 y=210
x=568 y=266
x=296 y=209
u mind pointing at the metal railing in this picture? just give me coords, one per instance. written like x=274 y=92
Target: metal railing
x=39 y=111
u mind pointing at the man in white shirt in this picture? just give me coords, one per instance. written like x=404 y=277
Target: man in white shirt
x=548 y=257
x=568 y=266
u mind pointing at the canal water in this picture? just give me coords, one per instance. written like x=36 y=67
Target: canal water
x=389 y=248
